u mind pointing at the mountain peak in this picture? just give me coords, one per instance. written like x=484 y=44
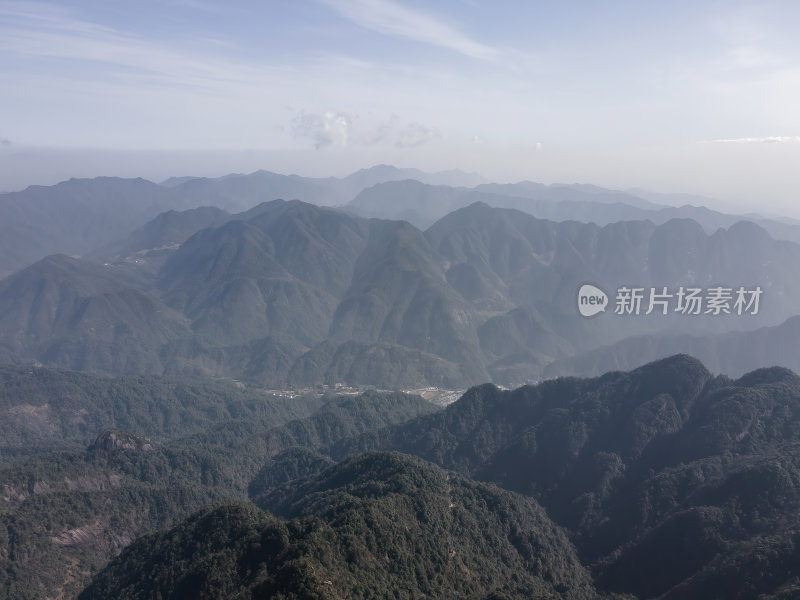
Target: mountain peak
x=769 y=375
x=675 y=364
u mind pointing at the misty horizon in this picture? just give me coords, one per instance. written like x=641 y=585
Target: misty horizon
x=159 y=167
x=694 y=98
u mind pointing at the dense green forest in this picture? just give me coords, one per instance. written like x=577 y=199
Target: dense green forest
x=672 y=482
x=64 y=513
x=377 y=525
x=662 y=482
x=43 y=409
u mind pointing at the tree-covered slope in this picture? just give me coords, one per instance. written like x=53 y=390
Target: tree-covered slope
x=81 y=315
x=663 y=461
x=377 y=525
x=64 y=514
x=44 y=409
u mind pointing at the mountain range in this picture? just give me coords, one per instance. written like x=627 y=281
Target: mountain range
x=422 y=204
x=384 y=524
x=79 y=216
x=294 y=294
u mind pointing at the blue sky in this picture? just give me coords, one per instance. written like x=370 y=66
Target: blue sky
x=679 y=96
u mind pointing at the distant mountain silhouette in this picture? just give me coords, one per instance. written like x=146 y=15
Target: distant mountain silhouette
x=82 y=215
x=75 y=217
x=735 y=352
x=423 y=204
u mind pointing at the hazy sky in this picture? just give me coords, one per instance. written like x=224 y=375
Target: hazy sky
x=697 y=96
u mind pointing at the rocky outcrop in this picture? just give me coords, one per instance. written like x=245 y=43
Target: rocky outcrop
x=112 y=440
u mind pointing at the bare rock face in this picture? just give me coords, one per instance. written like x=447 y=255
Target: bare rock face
x=113 y=440
x=99 y=537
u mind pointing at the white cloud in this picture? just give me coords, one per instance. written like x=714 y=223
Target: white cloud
x=758 y=140
x=391 y=18
x=338 y=128
x=329 y=128
x=416 y=134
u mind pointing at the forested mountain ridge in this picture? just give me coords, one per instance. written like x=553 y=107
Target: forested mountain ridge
x=291 y=294
x=376 y=525
x=666 y=460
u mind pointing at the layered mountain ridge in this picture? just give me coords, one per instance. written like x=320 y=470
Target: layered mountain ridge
x=292 y=294
x=79 y=216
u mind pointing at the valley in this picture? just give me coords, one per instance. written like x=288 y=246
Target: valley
x=297 y=401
